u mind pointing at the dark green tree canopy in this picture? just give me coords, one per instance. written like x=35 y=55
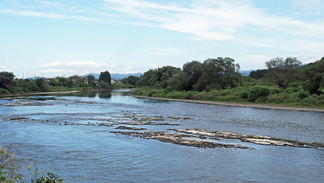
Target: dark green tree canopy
x=218 y=73
x=314 y=74
x=6 y=80
x=258 y=74
x=283 y=71
x=105 y=77
x=130 y=80
x=158 y=77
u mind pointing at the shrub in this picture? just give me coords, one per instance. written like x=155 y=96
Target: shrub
x=258 y=92
x=314 y=100
x=4 y=91
x=278 y=98
x=302 y=94
x=244 y=94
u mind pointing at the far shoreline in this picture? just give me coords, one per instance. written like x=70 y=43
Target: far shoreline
x=236 y=104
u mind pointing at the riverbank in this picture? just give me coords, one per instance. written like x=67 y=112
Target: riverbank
x=38 y=93
x=236 y=104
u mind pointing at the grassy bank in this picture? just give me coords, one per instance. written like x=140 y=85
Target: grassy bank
x=244 y=95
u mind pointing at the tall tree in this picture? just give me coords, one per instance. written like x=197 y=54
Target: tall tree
x=260 y=73
x=283 y=71
x=218 y=73
x=192 y=71
x=314 y=73
x=7 y=80
x=158 y=77
x=105 y=77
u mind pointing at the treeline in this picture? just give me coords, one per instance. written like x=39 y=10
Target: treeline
x=217 y=73
x=9 y=84
x=284 y=81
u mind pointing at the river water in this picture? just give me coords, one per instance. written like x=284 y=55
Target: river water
x=63 y=133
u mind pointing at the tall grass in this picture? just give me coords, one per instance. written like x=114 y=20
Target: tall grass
x=244 y=94
x=11 y=170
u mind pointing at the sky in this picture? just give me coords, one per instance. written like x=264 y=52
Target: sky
x=77 y=37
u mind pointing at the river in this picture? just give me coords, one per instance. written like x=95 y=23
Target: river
x=71 y=135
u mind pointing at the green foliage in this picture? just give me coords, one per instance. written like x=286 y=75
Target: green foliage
x=4 y=91
x=283 y=71
x=105 y=77
x=314 y=74
x=6 y=80
x=302 y=94
x=158 y=77
x=258 y=74
x=49 y=178
x=130 y=81
x=258 y=93
x=104 y=85
x=218 y=73
x=9 y=167
x=191 y=71
x=119 y=85
x=43 y=85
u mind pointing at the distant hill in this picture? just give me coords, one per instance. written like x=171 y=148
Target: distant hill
x=115 y=76
x=94 y=74
x=246 y=72
x=122 y=76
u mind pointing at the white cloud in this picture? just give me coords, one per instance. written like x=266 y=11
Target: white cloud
x=50 y=4
x=32 y=14
x=54 y=69
x=46 y=15
x=77 y=64
x=214 y=19
x=170 y=51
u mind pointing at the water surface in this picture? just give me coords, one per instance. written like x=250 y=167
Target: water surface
x=61 y=132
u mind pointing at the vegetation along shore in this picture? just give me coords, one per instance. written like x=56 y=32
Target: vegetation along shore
x=285 y=84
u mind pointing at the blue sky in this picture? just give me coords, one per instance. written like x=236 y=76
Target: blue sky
x=63 y=38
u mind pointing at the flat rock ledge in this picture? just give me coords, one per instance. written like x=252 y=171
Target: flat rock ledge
x=256 y=139
x=178 y=139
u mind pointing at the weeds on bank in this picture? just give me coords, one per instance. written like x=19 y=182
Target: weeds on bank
x=251 y=94
x=11 y=170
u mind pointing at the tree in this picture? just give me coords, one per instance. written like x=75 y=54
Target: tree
x=177 y=82
x=192 y=71
x=91 y=80
x=105 y=77
x=158 y=77
x=283 y=71
x=77 y=80
x=218 y=73
x=314 y=74
x=130 y=81
x=258 y=74
x=7 y=80
x=42 y=84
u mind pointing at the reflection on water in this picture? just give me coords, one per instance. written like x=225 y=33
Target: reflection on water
x=63 y=134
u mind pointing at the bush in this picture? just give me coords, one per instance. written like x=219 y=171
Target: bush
x=314 y=100
x=258 y=92
x=4 y=91
x=301 y=94
x=244 y=94
x=278 y=98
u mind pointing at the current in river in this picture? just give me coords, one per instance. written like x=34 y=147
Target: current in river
x=73 y=136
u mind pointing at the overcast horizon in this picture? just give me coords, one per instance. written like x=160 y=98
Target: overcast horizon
x=55 y=38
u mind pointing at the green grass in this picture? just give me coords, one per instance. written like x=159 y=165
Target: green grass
x=246 y=94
